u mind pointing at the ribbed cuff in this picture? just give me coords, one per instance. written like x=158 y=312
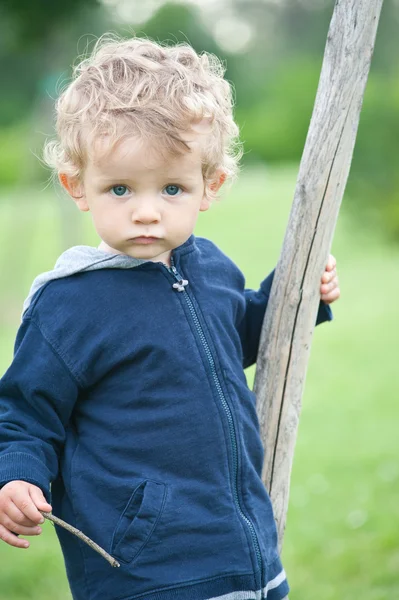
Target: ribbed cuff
x=20 y=466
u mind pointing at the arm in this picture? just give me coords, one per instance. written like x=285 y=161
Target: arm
x=37 y=395
x=251 y=325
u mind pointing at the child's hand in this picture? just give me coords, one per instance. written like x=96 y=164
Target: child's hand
x=329 y=290
x=20 y=503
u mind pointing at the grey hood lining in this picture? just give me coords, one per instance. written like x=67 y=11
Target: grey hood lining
x=79 y=259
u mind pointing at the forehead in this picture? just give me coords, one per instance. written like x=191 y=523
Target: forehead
x=133 y=154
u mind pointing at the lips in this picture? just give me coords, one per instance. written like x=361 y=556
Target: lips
x=143 y=239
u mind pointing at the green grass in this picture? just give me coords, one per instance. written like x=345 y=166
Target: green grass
x=342 y=532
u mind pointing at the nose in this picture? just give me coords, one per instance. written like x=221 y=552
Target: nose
x=145 y=211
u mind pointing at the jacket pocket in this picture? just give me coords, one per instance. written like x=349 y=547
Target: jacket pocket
x=138 y=520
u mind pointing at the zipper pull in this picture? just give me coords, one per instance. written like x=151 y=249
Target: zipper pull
x=180 y=285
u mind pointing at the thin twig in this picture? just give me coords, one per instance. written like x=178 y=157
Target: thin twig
x=81 y=536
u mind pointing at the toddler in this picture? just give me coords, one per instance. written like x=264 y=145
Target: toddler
x=126 y=405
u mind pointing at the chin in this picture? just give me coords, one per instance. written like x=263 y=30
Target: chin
x=143 y=255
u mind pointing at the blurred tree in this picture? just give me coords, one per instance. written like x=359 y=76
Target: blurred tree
x=180 y=23
x=274 y=116
x=37 y=41
x=33 y=21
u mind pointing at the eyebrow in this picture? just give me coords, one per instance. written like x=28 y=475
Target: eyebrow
x=177 y=178
x=181 y=178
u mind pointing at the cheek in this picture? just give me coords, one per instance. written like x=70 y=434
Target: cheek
x=186 y=218
x=105 y=221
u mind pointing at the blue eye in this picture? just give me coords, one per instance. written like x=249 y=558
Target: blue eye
x=119 y=190
x=172 y=190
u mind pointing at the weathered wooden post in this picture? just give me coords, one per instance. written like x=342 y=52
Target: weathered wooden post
x=291 y=314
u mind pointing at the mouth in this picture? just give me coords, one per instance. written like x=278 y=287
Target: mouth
x=144 y=239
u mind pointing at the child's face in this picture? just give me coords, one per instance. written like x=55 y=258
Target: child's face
x=142 y=204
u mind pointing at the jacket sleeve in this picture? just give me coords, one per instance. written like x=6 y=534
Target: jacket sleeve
x=251 y=324
x=37 y=395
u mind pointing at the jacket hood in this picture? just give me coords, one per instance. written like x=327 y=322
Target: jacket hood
x=77 y=260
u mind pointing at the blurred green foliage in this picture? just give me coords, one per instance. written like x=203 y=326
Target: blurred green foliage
x=275 y=81
x=34 y=21
x=275 y=124
x=13 y=155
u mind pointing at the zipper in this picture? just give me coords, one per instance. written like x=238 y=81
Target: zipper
x=180 y=287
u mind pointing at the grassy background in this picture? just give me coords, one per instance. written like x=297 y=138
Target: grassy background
x=343 y=523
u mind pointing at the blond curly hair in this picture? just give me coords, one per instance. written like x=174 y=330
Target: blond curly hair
x=139 y=87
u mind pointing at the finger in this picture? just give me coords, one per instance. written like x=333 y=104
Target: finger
x=24 y=502
x=328 y=276
x=16 y=516
x=331 y=296
x=331 y=263
x=18 y=529
x=11 y=539
x=326 y=288
x=39 y=500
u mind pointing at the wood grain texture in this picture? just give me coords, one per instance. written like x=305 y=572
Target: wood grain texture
x=291 y=314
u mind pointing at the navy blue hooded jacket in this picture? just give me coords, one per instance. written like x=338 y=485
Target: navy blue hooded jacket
x=127 y=394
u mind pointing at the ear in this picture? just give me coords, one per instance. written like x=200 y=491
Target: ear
x=75 y=189
x=205 y=203
x=213 y=185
